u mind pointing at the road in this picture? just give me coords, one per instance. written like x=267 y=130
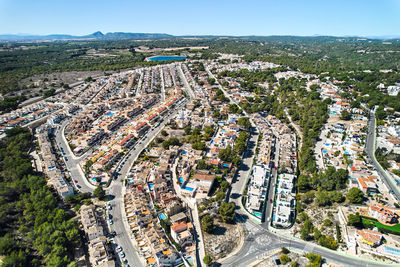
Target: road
x=370 y=149
x=260 y=240
x=72 y=162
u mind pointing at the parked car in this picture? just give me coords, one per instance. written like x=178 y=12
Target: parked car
x=119 y=249
x=122 y=254
x=111 y=222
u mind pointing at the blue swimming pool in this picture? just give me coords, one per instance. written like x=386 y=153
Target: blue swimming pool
x=109 y=114
x=257 y=214
x=188 y=188
x=347 y=152
x=333 y=113
x=162 y=216
x=327 y=144
x=324 y=151
x=94 y=179
x=181 y=179
x=393 y=251
x=151 y=186
x=166 y=58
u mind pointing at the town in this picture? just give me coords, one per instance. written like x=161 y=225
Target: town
x=186 y=158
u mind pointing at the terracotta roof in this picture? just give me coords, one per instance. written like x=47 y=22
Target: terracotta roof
x=179 y=227
x=204 y=177
x=369 y=236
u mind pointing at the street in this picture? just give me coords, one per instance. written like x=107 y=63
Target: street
x=370 y=148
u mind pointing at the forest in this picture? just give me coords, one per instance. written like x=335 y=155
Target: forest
x=34 y=230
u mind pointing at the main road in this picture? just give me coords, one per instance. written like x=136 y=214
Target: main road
x=120 y=225
x=261 y=239
x=370 y=148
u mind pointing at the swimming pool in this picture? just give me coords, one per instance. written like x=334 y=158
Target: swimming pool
x=257 y=214
x=393 y=251
x=333 y=113
x=151 y=186
x=327 y=144
x=162 y=216
x=347 y=152
x=109 y=114
x=324 y=151
x=94 y=179
x=181 y=179
x=188 y=188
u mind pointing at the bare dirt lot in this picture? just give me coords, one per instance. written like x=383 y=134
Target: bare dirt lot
x=223 y=240
x=67 y=77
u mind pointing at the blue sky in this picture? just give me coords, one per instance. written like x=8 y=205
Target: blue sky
x=202 y=17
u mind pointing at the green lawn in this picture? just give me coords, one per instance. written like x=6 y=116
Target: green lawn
x=395 y=229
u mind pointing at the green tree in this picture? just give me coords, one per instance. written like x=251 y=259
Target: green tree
x=308 y=197
x=207 y=223
x=306 y=229
x=207 y=259
x=219 y=196
x=336 y=196
x=16 y=258
x=355 y=195
x=227 y=212
x=354 y=220
x=244 y=122
x=322 y=198
x=314 y=259
x=164 y=133
x=99 y=192
x=284 y=259
x=345 y=115
x=328 y=242
x=224 y=186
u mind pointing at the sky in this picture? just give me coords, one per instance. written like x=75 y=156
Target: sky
x=202 y=17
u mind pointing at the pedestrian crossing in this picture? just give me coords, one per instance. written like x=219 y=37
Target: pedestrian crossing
x=308 y=247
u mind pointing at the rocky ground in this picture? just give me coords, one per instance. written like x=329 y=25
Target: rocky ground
x=223 y=240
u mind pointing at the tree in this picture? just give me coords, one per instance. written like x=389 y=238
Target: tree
x=355 y=195
x=308 y=197
x=354 y=220
x=244 y=122
x=284 y=259
x=322 y=198
x=99 y=192
x=345 y=115
x=187 y=130
x=336 y=196
x=328 y=242
x=227 y=212
x=224 y=186
x=207 y=223
x=314 y=259
x=207 y=259
x=306 y=229
x=164 y=133
x=219 y=196
x=303 y=183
